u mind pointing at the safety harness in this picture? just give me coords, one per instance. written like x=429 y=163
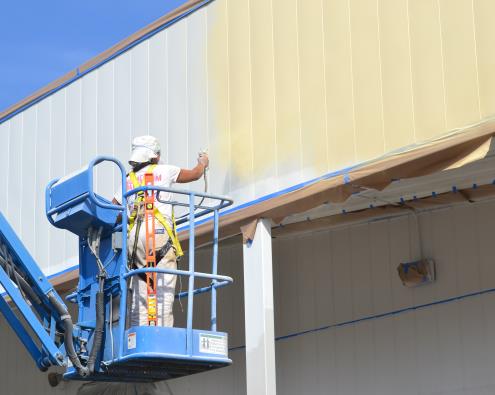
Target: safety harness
x=138 y=203
x=144 y=208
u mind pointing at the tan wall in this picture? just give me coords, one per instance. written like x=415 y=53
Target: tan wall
x=316 y=85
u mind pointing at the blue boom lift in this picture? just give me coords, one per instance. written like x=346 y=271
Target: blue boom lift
x=101 y=346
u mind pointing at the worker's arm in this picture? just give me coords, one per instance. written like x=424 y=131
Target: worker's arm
x=189 y=175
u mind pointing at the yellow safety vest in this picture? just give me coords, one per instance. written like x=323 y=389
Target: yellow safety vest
x=172 y=232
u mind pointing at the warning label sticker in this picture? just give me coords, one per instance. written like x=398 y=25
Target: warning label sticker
x=213 y=344
x=131 y=340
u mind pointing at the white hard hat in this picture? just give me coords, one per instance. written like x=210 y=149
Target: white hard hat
x=144 y=148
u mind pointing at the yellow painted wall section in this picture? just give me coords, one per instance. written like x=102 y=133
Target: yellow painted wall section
x=287 y=98
x=460 y=62
x=484 y=10
x=218 y=94
x=312 y=79
x=312 y=86
x=367 y=77
x=398 y=114
x=339 y=91
x=263 y=93
x=427 y=68
x=240 y=94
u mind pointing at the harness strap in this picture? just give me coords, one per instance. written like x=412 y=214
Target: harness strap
x=171 y=231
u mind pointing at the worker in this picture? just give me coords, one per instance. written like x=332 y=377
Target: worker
x=145 y=158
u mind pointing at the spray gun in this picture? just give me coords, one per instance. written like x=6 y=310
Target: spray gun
x=205 y=179
x=201 y=153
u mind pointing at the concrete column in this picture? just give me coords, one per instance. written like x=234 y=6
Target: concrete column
x=258 y=301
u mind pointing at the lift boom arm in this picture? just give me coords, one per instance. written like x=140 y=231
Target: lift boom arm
x=35 y=298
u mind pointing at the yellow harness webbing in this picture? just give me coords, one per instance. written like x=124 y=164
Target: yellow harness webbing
x=172 y=233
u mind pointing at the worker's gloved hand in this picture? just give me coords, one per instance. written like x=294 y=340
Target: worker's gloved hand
x=203 y=159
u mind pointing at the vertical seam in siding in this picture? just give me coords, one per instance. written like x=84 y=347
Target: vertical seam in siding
x=9 y=124
x=275 y=117
x=443 y=66
x=113 y=124
x=148 y=93
x=251 y=96
x=35 y=193
x=301 y=155
x=325 y=85
x=476 y=59
x=381 y=75
x=97 y=131
x=411 y=70
x=65 y=144
x=50 y=149
x=228 y=93
x=186 y=104
x=354 y=143
x=80 y=123
x=131 y=58
x=21 y=166
x=167 y=133
x=207 y=82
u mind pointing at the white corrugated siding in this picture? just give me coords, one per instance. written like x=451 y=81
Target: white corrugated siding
x=335 y=276
x=279 y=91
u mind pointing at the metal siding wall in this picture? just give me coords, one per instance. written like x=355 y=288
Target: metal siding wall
x=263 y=97
x=42 y=229
x=73 y=158
x=158 y=92
x=344 y=274
x=341 y=127
x=26 y=184
x=218 y=96
x=441 y=349
x=485 y=40
x=279 y=92
x=15 y=173
x=287 y=85
x=240 y=96
x=105 y=129
x=57 y=160
x=5 y=154
x=122 y=108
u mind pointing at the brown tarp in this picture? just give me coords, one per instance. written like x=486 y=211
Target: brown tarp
x=456 y=149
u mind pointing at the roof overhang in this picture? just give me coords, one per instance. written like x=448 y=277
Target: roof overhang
x=452 y=151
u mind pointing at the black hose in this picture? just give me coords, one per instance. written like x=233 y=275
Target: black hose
x=68 y=339
x=22 y=283
x=98 y=333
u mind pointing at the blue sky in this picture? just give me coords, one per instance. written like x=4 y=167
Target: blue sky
x=42 y=40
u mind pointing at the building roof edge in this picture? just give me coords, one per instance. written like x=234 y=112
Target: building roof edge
x=99 y=60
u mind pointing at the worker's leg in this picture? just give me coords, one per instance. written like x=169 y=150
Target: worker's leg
x=165 y=290
x=139 y=298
